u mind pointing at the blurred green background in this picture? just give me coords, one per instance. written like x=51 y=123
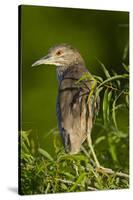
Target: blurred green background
x=95 y=33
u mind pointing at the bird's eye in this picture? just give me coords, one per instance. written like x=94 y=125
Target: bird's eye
x=58 y=53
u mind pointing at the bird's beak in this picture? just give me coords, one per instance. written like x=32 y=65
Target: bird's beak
x=45 y=60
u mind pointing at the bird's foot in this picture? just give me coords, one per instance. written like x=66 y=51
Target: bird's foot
x=104 y=171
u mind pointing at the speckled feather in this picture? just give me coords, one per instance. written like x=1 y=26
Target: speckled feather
x=75 y=114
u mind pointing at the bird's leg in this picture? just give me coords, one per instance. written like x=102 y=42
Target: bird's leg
x=92 y=150
x=99 y=168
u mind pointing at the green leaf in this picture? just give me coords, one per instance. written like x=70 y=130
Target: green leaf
x=121 y=134
x=124 y=76
x=108 y=106
x=99 y=139
x=127 y=99
x=67 y=174
x=78 y=181
x=104 y=69
x=125 y=52
x=98 y=90
x=126 y=67
x=73 y=157
x=86 y=76
x=120 y=106
x=27 y=157
x=98 y=78
x=47 y=188
x=114 y=114
x=25 y=148
x=118 y=83
x=93 y=86
x=24 y=137
x=56 y=143
x=45 y=154
x=54 y=130
x=64 y=187
x=114 y=109
x=112 y=149
x=105 y=106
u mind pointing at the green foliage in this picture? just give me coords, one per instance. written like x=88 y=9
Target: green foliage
x=44 y=173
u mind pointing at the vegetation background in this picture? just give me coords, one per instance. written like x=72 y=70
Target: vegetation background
x=102 y=37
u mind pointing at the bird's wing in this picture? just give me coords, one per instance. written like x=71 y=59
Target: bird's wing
x=74 y=111
x=67 y=116
x=92 y=98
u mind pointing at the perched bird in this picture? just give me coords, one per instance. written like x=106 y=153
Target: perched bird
x=75 y=108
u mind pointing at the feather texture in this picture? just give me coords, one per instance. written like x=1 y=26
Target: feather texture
x=75 y=112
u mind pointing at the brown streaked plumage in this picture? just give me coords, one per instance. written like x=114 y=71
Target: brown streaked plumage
x=75 y=111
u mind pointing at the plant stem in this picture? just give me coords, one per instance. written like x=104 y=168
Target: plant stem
x=72 y=183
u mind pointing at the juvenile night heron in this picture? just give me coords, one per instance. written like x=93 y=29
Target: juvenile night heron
x=75 y=111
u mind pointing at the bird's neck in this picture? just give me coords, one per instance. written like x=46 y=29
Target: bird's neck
x=75 y=71
x=61 y=72
x=59 y=75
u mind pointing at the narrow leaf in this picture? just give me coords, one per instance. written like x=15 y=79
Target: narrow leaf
x=45 y=154
x=114 y=114
x=118 y=84
x=127 y=99
x=73 y=157
x=104 y=69
x=125 y=52
x=98 y=78
x=108 y=106
x=126 y=67
x=86 y=76
x=99 y=139
x=78 y=181
x=114 y=78
x=67 y=174
x=98 y=90
x=105 y=106
x=112 y=149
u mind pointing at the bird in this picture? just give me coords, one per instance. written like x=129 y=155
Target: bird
x=76 y=108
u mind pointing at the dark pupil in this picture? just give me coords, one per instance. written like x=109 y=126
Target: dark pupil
x=58 y=53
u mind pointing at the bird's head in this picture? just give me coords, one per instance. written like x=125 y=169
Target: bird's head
x=62 y=56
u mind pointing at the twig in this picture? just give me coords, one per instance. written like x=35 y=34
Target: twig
x=122 y=174
x=110 y=171
x=72 y=183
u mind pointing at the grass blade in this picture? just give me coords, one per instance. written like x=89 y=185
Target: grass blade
x=114 y=78
x=126 y=67
x=114 y=114
x=108 y=106
x=104 y=69
x=45 y=154
x=105 y=106
x=78 y=181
